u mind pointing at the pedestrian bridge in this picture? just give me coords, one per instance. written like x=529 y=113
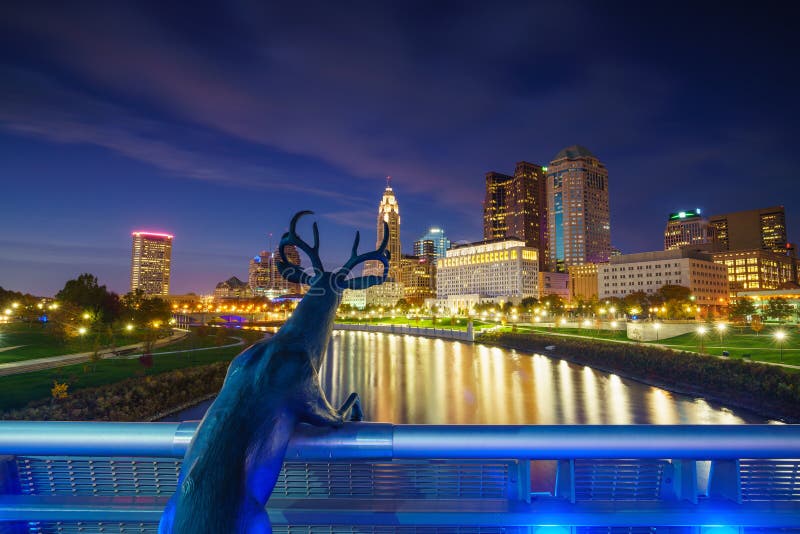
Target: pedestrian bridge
x=70 y=477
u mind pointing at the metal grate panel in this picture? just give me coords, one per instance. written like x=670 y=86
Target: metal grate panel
x=618 y=480
x=770 y=480
x=79 y=527
x=158 y=477
x=409 y=480
x=97 y=476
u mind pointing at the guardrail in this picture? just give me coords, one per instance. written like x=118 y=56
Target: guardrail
x=439 y=333
x=109 y=477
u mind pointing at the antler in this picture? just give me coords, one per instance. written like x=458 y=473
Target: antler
x=293 y=272
x=381 y=255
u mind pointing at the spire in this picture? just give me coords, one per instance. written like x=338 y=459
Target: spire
x=388 y=182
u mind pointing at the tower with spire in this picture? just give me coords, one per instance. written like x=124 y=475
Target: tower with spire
x=388 y=211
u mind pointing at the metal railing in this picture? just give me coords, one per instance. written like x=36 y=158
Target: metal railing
x=85 y=476
x=438 y=333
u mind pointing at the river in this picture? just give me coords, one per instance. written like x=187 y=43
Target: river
x=406 y=379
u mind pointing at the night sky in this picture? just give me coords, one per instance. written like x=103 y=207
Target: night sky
x=216 y=122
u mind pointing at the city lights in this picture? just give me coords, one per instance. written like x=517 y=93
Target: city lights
x=780 y=336
x=82 y=330
x=129 y=327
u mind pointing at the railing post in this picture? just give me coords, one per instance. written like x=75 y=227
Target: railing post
x=680 y=481
x=565 y=480
x=724 y=481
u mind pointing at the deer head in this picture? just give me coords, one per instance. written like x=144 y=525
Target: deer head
x=313 y=318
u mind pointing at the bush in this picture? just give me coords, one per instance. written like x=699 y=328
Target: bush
x=770 y=390
x=134 y=399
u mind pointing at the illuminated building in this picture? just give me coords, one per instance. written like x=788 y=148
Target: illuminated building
x=356 y=298
x=231 y=288
x=418 y=275
x=150 y=262
x=583 y=281
x=438 y=240
x=577 y=206
x=385 y=295
x=752 y=229
x=756 y=269
x=388 y=211
x=649 y=271
x=554 y=284
x=516 y=207
x=493 y=270
x=687 y=229
x=264 y=278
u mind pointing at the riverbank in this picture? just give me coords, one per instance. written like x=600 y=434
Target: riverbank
x=769 y=391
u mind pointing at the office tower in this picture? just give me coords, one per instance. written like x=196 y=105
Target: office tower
x=425 y=248
x=388 y=211
x=687 y=229
x=150 y=262
x=752 y=229
x=583 y=283
x=756 y=269
x=438 y=239
x=264 y=278
x=516 y=206
x=418 y=278
x=578 y=213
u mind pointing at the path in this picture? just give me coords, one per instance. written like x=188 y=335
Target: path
x=27 y=366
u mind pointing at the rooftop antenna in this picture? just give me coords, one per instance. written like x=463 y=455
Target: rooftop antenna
x=388 y=182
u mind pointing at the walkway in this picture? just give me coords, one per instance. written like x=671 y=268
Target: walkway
x=27 y=366
x=239 y=342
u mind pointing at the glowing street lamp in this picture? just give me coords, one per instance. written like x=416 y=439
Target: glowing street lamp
x=656 y=327
x=563 y=321
x=780 y=335
x=129 y=327
x=85 y=315
x=15 y=305
x=82 y=330
x=721 y=327
x=701 y=333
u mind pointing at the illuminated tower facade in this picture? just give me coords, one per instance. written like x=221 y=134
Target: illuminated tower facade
x=579 y=227
x=687 y=229
x=388 y=211
x=150 y=262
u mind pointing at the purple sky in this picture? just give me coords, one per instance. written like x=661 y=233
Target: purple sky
x=218 y=123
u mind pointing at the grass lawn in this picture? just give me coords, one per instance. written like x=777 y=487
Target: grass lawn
x=34 y=341
x=762 y=347
x=18 y=390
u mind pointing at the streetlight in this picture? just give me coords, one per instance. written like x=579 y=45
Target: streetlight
x=780 y=335
x=81 y=330
x=85 y=315
x=701 y=332
x=656 y=326
x=129 y=327
x=721 y=329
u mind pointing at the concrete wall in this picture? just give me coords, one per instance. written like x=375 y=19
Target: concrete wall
x=645 y=331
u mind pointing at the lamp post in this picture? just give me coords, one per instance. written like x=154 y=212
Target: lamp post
x=701 y=332
x=780 y=335
x=656 y=327
x=721 y=330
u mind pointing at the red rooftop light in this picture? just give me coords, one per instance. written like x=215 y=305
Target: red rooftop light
x=151 y=234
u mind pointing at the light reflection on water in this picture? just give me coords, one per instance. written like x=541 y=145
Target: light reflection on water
x=407 y=379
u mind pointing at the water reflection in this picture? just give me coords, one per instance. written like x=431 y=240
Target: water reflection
x=407 y=379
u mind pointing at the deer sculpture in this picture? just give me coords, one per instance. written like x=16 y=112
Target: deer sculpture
x=235 y=456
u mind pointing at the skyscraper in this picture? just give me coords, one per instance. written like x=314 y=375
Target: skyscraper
x=752 y=229
x=150 y=262
x=578 y=213
x=687 y=229
x=516 y=206
x=438 y=240
x=388 y=211
x=265 y=279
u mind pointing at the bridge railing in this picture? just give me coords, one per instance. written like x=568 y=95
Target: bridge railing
x=116 y=477
x=441 y=333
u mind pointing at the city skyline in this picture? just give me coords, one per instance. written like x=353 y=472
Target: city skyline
x=200 y=143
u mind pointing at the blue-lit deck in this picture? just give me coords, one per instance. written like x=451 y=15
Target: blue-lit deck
x=370 y=477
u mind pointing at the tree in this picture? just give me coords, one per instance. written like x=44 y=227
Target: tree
x=674 y=292
x=144 y=309
x=87 y=294
x=742 y=307
x=757 y=324
x=59 y=390
x=553 y=303
x=778 y=309
x=528 y=303
x=403 y=306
